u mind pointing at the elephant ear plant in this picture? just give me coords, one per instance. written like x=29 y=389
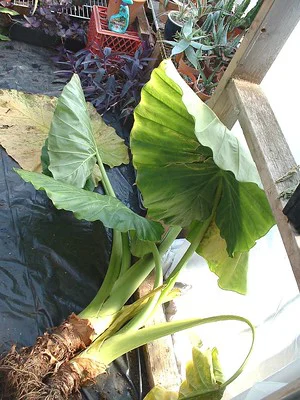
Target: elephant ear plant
x=192 y=173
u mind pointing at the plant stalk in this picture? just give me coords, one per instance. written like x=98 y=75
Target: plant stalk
x=115 y=265
x=105 y=181
x=112 y=274
x=120 y=344
x=126 y=255
x=141 y=318
x=128 y=283
x=202 y=229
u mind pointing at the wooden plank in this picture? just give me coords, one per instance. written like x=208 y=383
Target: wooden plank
x=272 y=156
x=159 y=355
x=292 y=388
x=144 y=29
x=271 y=28
x=225 y=110
x=154 y=5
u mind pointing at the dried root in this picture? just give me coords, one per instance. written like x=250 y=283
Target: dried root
x=67 y=381
x=23 y=373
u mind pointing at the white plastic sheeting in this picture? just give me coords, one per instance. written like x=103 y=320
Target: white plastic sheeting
x=272 y=304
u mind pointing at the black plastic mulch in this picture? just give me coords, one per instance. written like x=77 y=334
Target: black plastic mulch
x=50 y=263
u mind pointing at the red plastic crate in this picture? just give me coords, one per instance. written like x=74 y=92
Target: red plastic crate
x=99 y=35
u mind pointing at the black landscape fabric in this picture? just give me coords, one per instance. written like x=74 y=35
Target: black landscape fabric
x=52 y=264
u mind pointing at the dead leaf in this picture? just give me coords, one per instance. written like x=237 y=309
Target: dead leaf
x=24 y=124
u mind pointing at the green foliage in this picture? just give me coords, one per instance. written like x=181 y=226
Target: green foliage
x=74 y=149
x=188 y=42
x=73 y=155
x=94 y=207
x=183 y=154
x=8 y=11
x=204 y=379
x=214 y=34
x=191 y=174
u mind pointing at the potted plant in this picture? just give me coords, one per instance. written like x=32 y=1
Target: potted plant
x=49 y=26
x=165 y=6
x=209 y=41
x=186 y=14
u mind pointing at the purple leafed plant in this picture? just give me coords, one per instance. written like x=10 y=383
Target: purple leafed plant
x=51 y=19
x=111 y=81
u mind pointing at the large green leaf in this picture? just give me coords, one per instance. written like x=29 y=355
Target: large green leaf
x=183 y=153
x=75 y=138
x=93 y=207
x=71 y=144
x=111 y=147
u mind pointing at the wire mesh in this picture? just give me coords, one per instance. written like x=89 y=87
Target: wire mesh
x=83 y=11
x=100 y=36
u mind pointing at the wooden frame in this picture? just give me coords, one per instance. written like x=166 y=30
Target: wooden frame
x=272 y=156
x=267 y=35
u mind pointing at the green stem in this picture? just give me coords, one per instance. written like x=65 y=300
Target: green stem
x=126 y=255
x=128 y=283
x=112 y=274
x=191 y=249
x=120 y=344
x=105 y=181
x=202 y=229
x=141 y=318
x=114 y=267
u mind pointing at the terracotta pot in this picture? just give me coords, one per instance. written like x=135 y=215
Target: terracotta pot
x=203 y=96
x=185 y=69
x=113 y=7
x=191 y=73
x=134 y=9
x=234 y=33
x=171 y=6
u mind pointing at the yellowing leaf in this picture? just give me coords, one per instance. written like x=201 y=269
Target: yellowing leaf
x=111 y=147
x=203 y=376
x=232 y=271
x=25 y=121
x=160 y=393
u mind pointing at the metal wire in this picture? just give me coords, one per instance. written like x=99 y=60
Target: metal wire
x=83 y=11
